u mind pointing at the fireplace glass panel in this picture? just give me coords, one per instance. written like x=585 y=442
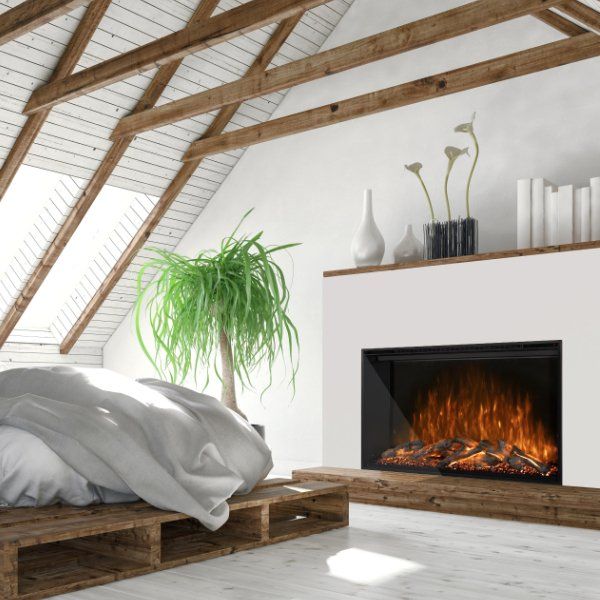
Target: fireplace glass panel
x=490 y=410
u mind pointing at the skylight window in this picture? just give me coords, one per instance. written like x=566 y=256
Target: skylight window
x=35 y=206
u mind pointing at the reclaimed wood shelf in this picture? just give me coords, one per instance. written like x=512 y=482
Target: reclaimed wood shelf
x=510 y=500
x=465 y=259
x=59 y=549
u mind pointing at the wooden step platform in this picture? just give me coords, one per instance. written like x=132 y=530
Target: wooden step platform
x=59 y=549
x=512 y=500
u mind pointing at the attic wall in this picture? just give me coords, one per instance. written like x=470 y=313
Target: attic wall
x=308 y=188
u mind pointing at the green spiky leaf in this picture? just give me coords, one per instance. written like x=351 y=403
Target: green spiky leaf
x=238 y=289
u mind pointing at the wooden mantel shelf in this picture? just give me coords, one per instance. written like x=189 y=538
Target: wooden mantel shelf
x=464 y=259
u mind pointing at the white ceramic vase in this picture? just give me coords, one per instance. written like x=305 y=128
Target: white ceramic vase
x=409 y=249
x=368 y=245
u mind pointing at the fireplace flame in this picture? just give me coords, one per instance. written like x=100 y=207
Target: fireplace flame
x=476 y=422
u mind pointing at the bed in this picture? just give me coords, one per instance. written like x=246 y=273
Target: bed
x=89 y=436
x=104 y=478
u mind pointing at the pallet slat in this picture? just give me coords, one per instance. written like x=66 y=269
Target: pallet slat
x=60 y=549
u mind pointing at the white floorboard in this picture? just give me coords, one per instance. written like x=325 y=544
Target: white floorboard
x=389 y=553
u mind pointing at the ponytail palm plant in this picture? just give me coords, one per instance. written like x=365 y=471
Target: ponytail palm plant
x=230 y=303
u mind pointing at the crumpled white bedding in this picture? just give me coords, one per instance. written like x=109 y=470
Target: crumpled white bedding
x=82 y=436
x=31 y=474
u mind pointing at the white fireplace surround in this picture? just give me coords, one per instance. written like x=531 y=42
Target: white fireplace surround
x=544 y=297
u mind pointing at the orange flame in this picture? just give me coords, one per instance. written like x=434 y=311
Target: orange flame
x=480 y=406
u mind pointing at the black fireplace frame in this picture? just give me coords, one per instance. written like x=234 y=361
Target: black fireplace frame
x=544 y=348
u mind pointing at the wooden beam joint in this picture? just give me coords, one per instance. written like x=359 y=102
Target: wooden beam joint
x=218 y=29
x=430 y=30
x=31 y=14
x=499 y=69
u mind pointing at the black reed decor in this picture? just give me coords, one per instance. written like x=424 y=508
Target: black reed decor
x=459 y=237
x=468 y=236
x=435 y=240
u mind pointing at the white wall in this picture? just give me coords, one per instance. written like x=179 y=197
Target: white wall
x=533 y=298
x=308 y=187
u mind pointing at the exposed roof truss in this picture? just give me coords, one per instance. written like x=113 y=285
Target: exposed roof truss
x=31 y=14
x=67 y=63
x=219 y=143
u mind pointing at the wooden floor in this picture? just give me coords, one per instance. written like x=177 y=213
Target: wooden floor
x=395 y=554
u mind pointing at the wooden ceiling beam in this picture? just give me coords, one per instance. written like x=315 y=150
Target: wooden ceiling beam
x=491 y=71
x=226 y=26
x=464 y=19
x=559 y=23
x=582 y=13
x=94 y=185
x=186 y=172
x=31 y=14
x=68 y=61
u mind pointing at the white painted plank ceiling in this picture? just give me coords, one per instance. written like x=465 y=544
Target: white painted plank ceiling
x=75 y=137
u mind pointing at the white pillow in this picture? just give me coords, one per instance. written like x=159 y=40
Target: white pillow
x=31 y=474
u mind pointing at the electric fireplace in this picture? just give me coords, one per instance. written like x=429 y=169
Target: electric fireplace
x=490 y=410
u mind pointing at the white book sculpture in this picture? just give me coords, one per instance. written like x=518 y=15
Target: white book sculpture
x=595 y=200
x=524 y=213
x=551 y=215
x=537 y=211
x=577 y=216
x=585 y=214
x=566 y=196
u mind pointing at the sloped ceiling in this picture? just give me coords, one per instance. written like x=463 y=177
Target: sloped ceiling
x=75 y=137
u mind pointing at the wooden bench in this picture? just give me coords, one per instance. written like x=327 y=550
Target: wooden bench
x=58 y=549
x=511 y=500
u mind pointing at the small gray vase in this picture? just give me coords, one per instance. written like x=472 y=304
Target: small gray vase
x=368 y=245
x=409 y=249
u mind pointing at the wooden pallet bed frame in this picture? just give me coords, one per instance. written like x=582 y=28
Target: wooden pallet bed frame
x=59 y=549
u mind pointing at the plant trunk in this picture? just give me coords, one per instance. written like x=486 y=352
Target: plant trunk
x=228 y=397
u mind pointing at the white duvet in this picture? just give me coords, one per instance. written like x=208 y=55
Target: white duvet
x=33 y=475
x=81 y=436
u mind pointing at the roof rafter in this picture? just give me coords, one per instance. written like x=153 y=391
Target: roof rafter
x=95 y=184
x=464 y=19
x=220 y=28
x=68 y=61
x=559 y=23
x=262 y=61
x=29 y=15
x=521 y=63
x=582 y=13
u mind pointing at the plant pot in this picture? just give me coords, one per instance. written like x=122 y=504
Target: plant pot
x=445 y=239
x=468 y=236
x=260 y=429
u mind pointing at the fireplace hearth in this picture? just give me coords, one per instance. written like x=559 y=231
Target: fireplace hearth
x=490 y=410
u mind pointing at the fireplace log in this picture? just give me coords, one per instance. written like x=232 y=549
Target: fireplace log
x=444 y=447
x=402 y=448
x=516 y=462
x=491 y=459
x=530 y=460
x=463 y=454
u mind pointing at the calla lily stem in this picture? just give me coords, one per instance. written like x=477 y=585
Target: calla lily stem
x=475 y=160
x=428 y=196
x=446 y=192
